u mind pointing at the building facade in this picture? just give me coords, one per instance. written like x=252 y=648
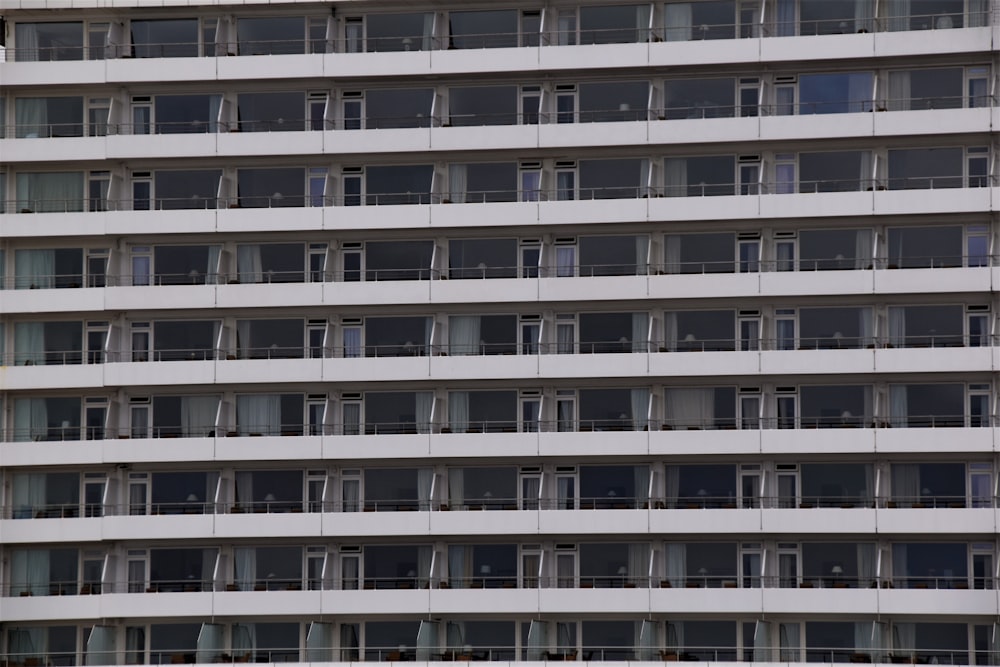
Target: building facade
x=512 y=331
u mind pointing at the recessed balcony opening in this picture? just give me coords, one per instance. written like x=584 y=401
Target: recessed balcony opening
x=701 y=487
x=832 y=250
x=848 y=92
x=830 y=641
x=40 y=495
x=186 y=114
x=51 y=268
x=36 y=572
x=482 y=489
x=614 y=487
x=702 y=565
x=398 y=32
x=265 y=642
x=613 y=179
x=838 y=565
x=926 y=168
x=51 y=644
x=48 y=343
x=181 y=190
x=482 y=335
x=183 y=265
x=482 y=258
x=397 y=108
x=269 y=414
x=927 y=326
x=701 y=640
x=686 y=21
x=48 y=117
x=946 y=643
x=614 y=566
x=613 y=409
x=181 y=570
x=181 y=417
x=479 y=640
x=396 y=185
x=272 y=35
x=185 y=340
x=934 y=15
x=270 y=339
x=389 y=641
x=397 y=566
x=625 y=24
x=927 y=247
x=939 y=88
x=397 y=336
x=835 y=328
x=482 y=566
x=267 y=568
x=840 y=171
x=270 y=263
x=38 y=42
x=164 y=38
x=700 y=253
x=482 y=411
x=397 y=260
x=487 y=29
x=609 y=333
x=481 y=183
x=935 y=566
x=708 y=176
x=699 y=408
x=397 y=489
x=483 y=105
x=271 y=112
x=268 y=491
x=170 y=643
x=832 y=485
x=271 y=188
x=613 y=255
x=928 y=406
x=608 y=640
x=183 y=492
x=699 y=98
x=50 y=192
x=839 y=406
x=46 y=419
x=394 y=412
x=928 y=485
x=835 y=17
x=699 y=331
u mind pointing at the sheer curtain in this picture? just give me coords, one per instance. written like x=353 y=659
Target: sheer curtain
x=639 y=399
x=258 y=413
x=210 y=645
x=640 y=332
x=678 y=21
x=538 y=640
x=898 y=12
x=789 y=641
x=786 y=18
x=244 y=489
x=638 y=565
x=897 y=326
x=319 y=642
x=865 y=174
x=28 y=494
x=640 y=479
x=675 y=635
x=424 y=403
x=676 y=564
x=762 y=651
x=34 y=269
x=245 y=561
x=50 y=192
x=425 y=482
x=906 y=483
x=27 y=42
x=457 y=573
x=866 y=565
x=642 y=255
x=458 y=411
x=427 y=640
x=31 y=117
x=29 y=343
x=212 y=270
x=865 y=329
x=898 y=409
x=249 y=267
x=672 y=253
x=904 y=637
x=245 y=641
x=978 y=13
x=31 y=419
x=670 y=331
x=642 y=16
x=198 y=415
x=101 y=646
x=863 y=249
x=456 y=488
x=691 y=408
x=214 y=110
x=464 y=335
x=458 y=182
x=675 y=173
x=863 y=15
x=243 y=346
x=899 y=91
x=426 y=41
x=649 y=640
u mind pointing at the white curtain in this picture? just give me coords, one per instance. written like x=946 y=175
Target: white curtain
x=425 y=480
x=899 y=91
x=31 y=117
x=101 y=646
x=649 y=640
x=50 y=192
x=642 y=16
x=978 y=14
x=865 y=176
x=31 y=419
x=762 y=650
x=897 y=326
x=639 y=399
x=865 y=327
x=690 y=407
x=676 y=564
x=863 y=249
x=640 y=332
x=898 y=12
x=424 y=403
x=906 y=483
x=245 y=641
x=530 y=489
x=212 y=270
x=785 y=22
x=464 y=335
x=29 y=494
x=638 y=564
x=789 y=642
x=427 y=640
x=243 y=338
x=565 y=261
x=670 y=331
x=456 y=487
x=456 y=635
x=249 y=267
x=644 y=165
x=458 y=411
x=428 y=334
x=672 y=253
x=26 y=35
x=538 y=640
x=258 y=413
x=34 y=269
x=214 y=109
x=565 y=338
x=458 y=182
x=428 y=32
x=675 y=635
x=29 y=343
x=866 y=565
x=424 y=556
x=642 y=254
x=352 y=342
x=245 y=561
x=904 y=637
x=863 y=15
x=678 y=21
x=210 y=645
x=319 y=642
x=640 y=479
x=30 y=571
x=457 y=571
x=675 y=173
x=564 y=495
x=198 y=415
x=898 y=406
